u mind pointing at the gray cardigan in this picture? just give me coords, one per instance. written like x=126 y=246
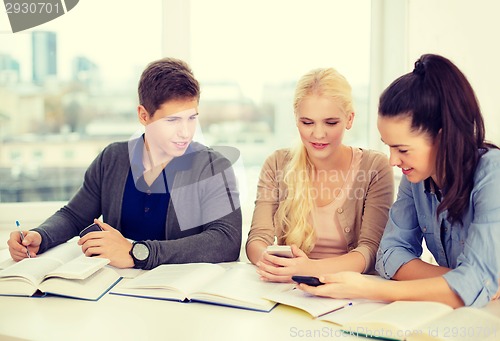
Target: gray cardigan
x=203 y=189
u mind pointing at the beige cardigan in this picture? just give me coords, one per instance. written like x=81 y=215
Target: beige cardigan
x=363 y=215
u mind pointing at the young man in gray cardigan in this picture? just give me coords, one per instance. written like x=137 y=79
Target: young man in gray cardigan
x=163 y=197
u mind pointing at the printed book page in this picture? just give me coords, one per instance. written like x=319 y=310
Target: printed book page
x=64 y=252
x=392 y=321
x=404 y=320
x=352 y=312
x=240 y=286
x=176 y=281
x=314 y=305
x=5 y=259
x=31 y=270
x=92 y=287
x=234 y=284
x=23 y=278
x=398 y=316
x=461 y=324
x=78 y=268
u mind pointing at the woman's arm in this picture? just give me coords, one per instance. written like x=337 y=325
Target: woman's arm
x=255 y=250
x=372 y=207
x=262 y=229
x=418 y=269
x=402 y=238
x=354 y=285
x=430 y=289
x=476 y=275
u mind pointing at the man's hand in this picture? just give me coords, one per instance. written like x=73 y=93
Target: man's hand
x=31 y=243
x=108 y=243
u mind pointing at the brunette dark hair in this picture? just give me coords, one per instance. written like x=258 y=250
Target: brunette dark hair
x=440 y=101
x=164 y=80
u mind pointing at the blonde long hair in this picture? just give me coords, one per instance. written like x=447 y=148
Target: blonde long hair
x=299 y=203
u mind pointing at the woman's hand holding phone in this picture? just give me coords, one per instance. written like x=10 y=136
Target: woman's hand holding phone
x=280 y=262
x=280 y=251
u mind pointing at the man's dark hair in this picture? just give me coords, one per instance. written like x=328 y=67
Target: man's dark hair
x=165 y=80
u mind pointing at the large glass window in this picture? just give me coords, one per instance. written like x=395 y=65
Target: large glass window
x=67 y=89
x=249 y=55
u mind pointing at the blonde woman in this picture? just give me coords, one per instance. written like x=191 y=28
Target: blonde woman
x=327 y=200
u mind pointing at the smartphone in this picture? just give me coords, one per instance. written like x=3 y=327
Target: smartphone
x=280 y=251
x=309 y=280
x=91 y=228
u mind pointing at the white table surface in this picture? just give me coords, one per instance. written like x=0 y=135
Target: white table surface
x=127 y=318
x=116 y=317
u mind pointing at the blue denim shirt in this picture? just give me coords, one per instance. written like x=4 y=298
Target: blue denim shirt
x=472 y=251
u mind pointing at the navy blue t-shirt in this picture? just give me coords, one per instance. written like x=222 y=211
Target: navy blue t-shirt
x=144 y=208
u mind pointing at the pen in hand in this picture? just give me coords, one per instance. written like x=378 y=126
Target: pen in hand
x=22 y=238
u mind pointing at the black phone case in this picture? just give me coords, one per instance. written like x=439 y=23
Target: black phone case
x=91 y=228
x=309 y=280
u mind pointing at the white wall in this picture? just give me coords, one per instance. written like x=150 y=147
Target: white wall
x=466 y=32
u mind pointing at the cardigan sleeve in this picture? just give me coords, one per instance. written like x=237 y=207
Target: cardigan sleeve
x=81 y=209
x=377 y=197
x=268 y=198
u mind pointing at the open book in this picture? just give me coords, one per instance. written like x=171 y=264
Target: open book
x=62 y=271
x=233 y=284
x=405 y=320
x=401 y=320
x=314 y=305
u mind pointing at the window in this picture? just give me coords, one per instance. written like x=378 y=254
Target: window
x=67 y=89
x=248 y=57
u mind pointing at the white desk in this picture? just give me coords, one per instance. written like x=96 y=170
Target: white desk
x=127 y=318
x=116 y=317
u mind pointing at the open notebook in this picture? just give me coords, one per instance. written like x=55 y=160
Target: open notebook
x=233 y=284
x=62 y=270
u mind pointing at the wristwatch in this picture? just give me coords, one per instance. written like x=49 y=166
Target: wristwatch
x=140 y=254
